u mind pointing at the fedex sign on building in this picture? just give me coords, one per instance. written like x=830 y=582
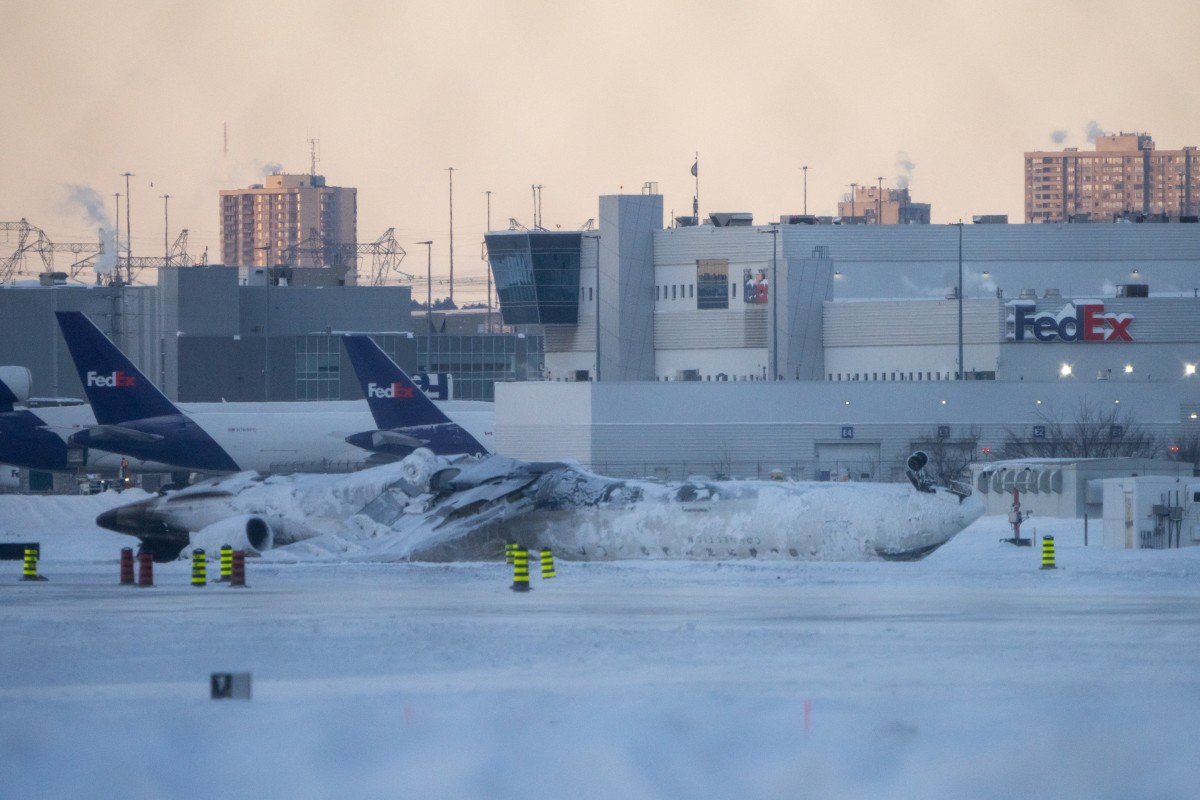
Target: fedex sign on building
x=1082 y=321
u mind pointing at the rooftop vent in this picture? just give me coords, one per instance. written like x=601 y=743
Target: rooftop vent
x=728 y=219
x=1027 y=294
x=1052 y=294
x=990 y=219
x=1133 y=290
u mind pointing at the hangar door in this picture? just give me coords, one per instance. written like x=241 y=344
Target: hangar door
x=856 y=461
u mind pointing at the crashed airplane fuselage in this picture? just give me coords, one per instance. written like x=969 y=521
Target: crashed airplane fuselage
x=427 y=508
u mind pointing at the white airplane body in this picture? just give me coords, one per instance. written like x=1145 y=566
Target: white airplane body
x=428 y=508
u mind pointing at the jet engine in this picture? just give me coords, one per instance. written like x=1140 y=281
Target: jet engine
x=17 y=381
x=247 y=532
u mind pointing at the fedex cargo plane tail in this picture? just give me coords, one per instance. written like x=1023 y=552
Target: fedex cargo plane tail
x=407 y=419
x=135 y=418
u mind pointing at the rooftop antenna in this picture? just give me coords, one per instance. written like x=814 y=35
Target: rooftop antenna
x=312 y=149
x=537 y=206
x=696 y=196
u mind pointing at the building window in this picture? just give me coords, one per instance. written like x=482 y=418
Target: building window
x=318 y=367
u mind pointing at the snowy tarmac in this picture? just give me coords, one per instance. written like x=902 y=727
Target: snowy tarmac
x=971 y=674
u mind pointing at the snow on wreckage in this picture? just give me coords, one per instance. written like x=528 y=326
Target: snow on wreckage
x=439 y=508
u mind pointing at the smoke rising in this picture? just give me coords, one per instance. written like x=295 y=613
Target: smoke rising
x=89 y=201
x=272 y=168
x=1058 y=137
x=905 y=166
x=1094 y=131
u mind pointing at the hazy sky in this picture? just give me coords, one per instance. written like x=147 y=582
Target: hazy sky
x=583 y=98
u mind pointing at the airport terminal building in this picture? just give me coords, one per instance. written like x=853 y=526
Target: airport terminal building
x=827 y=349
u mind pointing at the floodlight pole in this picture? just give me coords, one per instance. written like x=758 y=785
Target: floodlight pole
x=962 y=370
x=428 y=298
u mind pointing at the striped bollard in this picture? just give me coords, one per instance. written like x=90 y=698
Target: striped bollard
x=509 y=547
x=29 y=572
x=127 y=566
x=1047 y=552
x=520 y=569
x=237 y=569
x=199 y=568
x=145 y=569
x=226 y=563
x=547 y=564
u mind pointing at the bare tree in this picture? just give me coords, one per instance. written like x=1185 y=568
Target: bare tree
x=948 y=457
x=1091 y=432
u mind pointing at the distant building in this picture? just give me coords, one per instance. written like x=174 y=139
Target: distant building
x=1124 y=177
x=293 y=220
x=877 y=205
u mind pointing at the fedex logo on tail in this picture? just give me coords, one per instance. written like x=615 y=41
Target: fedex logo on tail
x=1077 y=322
x=393 y=391
x=117 y=380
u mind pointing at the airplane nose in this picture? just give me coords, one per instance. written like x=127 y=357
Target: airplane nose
x=110 y=520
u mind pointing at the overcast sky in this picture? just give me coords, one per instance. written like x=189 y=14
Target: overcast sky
x=584 y=99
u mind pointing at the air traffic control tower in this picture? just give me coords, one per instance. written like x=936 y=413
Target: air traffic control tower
x=593 y=292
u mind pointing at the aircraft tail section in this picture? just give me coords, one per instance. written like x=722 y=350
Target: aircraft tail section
x=407 y=419
x=395 y=401
x=116 y=389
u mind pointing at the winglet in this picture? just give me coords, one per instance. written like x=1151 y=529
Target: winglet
x=116 y=389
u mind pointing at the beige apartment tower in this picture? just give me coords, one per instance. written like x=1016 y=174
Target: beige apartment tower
x=1124 y=177
x=292 y=220
x=880 y=205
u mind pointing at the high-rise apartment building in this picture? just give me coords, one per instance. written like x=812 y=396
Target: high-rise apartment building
x=1124 y=176
x=291 y=219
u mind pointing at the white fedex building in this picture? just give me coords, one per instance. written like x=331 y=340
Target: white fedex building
x=828 y=349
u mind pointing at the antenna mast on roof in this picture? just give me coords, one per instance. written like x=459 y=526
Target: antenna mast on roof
x=312 y=149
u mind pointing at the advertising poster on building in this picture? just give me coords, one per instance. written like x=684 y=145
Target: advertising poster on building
x=712 y=283
x=755 y=282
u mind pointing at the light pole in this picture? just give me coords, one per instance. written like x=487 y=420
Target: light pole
x=489 y=266
x=805 y=168
x=772 y=290
x=166 y=226
x=428 y=298
x=962 y=370
x=450 y=170
x=853 y=191
x=117 y=236
x=879 y=203
x=128 y=235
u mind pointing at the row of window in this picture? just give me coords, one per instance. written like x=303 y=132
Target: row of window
x=685 y=291
x=894 y=376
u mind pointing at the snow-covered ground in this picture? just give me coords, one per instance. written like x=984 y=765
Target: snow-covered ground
x=971 y=674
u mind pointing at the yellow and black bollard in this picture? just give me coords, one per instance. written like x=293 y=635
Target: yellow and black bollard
x=547 y=564
x=30 y=573
x=199 y=568
x=520 y=569
x=1047 y=552
x=226 y=563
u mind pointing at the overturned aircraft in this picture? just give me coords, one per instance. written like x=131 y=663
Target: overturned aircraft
x=432 y=508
